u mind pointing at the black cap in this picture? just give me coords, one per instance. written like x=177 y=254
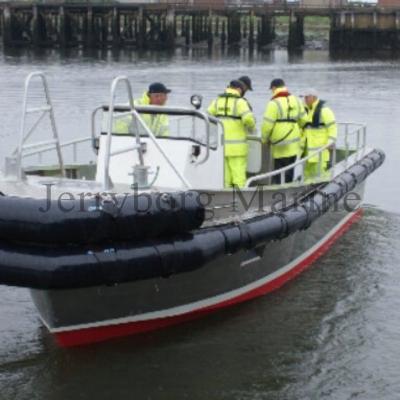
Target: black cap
x=247 y=81
x=277 y=83
x=236 y=84
x=158 y=87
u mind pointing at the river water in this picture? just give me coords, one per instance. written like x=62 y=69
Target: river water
x=333 y=333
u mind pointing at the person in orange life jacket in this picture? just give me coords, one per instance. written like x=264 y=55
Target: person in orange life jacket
x=319 y=131
x=283 y=118
x=238 y=121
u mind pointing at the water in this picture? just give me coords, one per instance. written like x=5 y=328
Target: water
x=330 y=334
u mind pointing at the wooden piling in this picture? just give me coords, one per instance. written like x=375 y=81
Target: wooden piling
x=251 y=31
x=170 y=29
x=62 y=34
x=205 y=28
x=296 y=32
x=265 y=31
x=217 y=27
x=116 y=27
x=89 y=40
x=142 y=22
x=210 y=37
x=234 y=29
x=7 y=26
x=245 y=27
x=175 y=26
x=188 y=31
x=36 y=26
x=223 y=34
x=104 y=31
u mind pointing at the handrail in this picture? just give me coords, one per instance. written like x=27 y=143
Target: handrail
x=35 y=125
x=48 y=108
x=114 y=84
x=361 y=143
x=141 y=109
x=170 y=110
x=73 y=143
x=125 y=111
x=282 y=171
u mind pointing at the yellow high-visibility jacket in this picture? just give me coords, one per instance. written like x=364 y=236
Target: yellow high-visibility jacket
x=283 y=118
x=237 y=119
x=319 y=130
x=158 y=123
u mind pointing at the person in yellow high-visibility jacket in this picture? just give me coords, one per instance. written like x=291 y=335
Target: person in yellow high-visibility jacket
x=157 y=95
x=319 y=131
x=238 y=121
x=281 y=127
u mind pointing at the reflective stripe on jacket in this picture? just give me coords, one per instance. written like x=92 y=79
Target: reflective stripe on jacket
x=283 y=117
x=157 y=123
x=238 y=121
x=319 y=130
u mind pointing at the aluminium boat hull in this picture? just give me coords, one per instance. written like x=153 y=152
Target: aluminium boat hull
x=88 y=315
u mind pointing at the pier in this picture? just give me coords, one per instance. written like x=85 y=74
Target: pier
x=166 y=25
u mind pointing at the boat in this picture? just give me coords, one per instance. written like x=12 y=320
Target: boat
x=146 y=236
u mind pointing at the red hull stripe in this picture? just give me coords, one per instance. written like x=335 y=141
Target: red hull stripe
x=101 y=333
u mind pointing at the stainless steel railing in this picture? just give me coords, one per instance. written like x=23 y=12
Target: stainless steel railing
x=178 y=128
x=47 y=108
x=360 y=133
x=71 y=143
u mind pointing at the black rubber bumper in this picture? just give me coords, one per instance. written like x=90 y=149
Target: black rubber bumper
x=73 y=266
x=99 y=220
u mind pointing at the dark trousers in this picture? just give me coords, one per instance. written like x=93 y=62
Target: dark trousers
x=281 y=163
